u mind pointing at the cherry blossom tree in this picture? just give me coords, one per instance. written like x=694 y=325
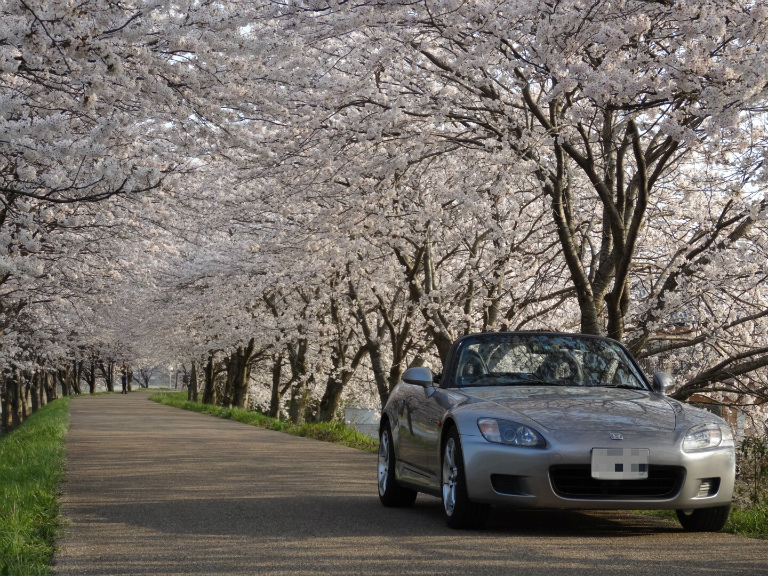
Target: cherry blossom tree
x=299 y=200
x=610 y=106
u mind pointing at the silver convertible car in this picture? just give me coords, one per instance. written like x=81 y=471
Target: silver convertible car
x=551 y=420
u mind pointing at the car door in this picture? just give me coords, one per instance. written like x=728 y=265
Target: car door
x=419 y=436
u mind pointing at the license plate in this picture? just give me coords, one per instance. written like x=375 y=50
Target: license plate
x=620 y=463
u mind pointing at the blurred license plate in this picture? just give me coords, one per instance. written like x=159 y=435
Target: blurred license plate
x=620 y=463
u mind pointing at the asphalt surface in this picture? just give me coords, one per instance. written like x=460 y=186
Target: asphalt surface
x=151 y=489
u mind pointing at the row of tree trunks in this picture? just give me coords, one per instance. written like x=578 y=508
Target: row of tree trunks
x=126 y=379
x=13 y=402
x=42 y=388
x=69 y=378
x=226 y=380
x=23 y=392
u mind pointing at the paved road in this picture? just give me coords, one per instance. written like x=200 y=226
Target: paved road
x=156 y=490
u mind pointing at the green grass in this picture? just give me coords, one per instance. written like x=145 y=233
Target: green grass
x=327 y=431
x=750 y=521
x=31 y=466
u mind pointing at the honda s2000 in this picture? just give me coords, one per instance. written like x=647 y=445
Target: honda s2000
x=550 y=420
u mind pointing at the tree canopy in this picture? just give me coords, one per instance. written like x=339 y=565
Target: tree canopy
x=299 y=200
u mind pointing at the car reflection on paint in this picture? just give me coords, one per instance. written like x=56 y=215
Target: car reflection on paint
x=551 y=420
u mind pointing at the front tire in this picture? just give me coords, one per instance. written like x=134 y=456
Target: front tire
x=460 y=511
x=704 y=519
x=391 y=493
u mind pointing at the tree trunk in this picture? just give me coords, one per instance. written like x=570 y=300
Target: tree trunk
x=77 y=374
x=277 y=394
x=13 y=399
x=209 y=392
x=243 y=368
x=26 y=400
x=145 y=375
x=238 y=373
x=192 y=385
x=35 y=391
x=299 y=400
x=379 y=371
x=297 y=356
x=90 y=377
x=64 y=376
x=18 y=401
x=51 y=392
x=329 y=403
x=6 y=399
x=108 y=373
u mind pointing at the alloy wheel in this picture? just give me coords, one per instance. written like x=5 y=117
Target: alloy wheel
x=450 y=476
x=383 y=462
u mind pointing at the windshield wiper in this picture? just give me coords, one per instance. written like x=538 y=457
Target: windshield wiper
x=623 y=387
x=492 y=380
x=523 y=381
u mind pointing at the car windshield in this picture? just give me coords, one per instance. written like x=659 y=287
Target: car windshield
x=544 y=360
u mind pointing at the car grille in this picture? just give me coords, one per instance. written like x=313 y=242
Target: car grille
x=577 y=482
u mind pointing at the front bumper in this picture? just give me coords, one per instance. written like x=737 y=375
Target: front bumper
x=559 y=477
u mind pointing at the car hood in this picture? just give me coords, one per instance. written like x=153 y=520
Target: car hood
x=597 y=409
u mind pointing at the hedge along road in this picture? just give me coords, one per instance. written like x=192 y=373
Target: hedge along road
x=151 y=489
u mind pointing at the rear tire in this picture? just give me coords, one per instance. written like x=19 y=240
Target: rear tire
x=460 y=511
x=704 y=519
x=391 y=493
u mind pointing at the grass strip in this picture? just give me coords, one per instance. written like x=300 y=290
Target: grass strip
x=749 y=521
x=31 y=466
x=334 y=432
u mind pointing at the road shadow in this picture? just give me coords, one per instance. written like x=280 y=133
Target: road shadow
x=561 y=523
x=336 y=516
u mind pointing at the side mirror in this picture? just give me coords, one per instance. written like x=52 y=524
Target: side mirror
x=662 y=382
x=420 y=376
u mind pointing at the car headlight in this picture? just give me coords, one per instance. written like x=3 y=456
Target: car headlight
x=704 y=436
x=511 y=433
